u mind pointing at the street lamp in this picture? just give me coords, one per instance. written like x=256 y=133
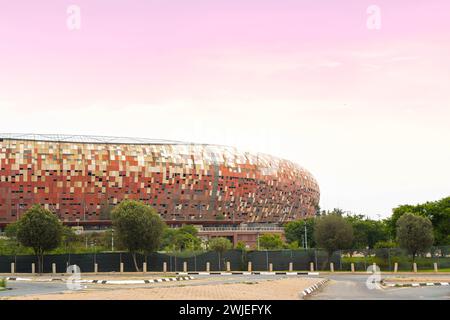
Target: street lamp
x=112 y=240
x=306 y=236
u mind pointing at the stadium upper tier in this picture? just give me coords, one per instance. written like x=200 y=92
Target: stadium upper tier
x=83 y=177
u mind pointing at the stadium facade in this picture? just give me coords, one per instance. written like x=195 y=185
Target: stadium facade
x=81 y=178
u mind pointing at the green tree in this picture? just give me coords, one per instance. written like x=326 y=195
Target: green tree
x=138 y=227
x=220 y=245
x=69 y=238
x=332 y=232
x=241 y=246
x=437 y=211
x=385 y=245
x=270 y=241
x=12 y=242
x=295 y=231
x=414 y=233
x=188 y=228
x=184 y=238
x=186 y=241
x=40 y=230
x=168 y=239
x=367 y=232
x=292 y=246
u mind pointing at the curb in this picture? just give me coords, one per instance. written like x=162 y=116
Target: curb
x=420 y=284
x=314 y=287
x=262 y=273
x=108 y=281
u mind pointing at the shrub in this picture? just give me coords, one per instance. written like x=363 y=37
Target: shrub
x=2 y=283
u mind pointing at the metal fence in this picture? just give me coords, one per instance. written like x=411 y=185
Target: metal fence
x=260 y=260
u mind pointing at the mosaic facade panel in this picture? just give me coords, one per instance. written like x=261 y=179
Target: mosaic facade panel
x=82 y=180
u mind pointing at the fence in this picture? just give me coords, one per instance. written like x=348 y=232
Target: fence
x=196 y=261
x=108 y=262
x=386 y=258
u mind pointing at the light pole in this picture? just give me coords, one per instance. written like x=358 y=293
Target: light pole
x=257 y=241
x=112 y=240
x=306 y=237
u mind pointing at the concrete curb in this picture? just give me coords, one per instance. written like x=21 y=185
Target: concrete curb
x=314 y=287
x=262 y=273
x=417 y=284
x=140 y=281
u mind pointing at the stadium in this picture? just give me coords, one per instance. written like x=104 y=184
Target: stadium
x=81 y=178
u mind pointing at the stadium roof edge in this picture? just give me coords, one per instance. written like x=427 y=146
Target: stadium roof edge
x=89 y=139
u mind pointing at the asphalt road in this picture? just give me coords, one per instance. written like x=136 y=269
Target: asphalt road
x=353 y=287
x=18 y=288
x=340 y=287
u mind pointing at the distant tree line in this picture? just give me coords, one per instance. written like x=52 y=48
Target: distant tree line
x=139 y=229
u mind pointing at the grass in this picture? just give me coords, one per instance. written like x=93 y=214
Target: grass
x=2 y=284
x=432 y=270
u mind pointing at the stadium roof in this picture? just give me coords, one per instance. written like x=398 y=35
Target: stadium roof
x=85 y=139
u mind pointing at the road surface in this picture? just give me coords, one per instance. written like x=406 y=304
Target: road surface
x=353 y=287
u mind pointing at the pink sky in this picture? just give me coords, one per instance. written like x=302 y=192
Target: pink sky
x=305 y=80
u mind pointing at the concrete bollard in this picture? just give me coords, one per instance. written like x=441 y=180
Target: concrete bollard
x=95 y=267
x=270 y=267
x=121 y=267
x=311 y=266
x=435 y=267
x=185 y=266
x=144 y=267
x=396 y=267
x=33 y=268
x=13 y=268
x=164 y=267
x=352 y=266
x=249 y=266
x=291 y=267
x=415 y=267
x=208 y=267
x=228 y=266
x=331 y=267
x=54 y=268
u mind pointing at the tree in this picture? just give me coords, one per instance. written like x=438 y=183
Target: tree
x=168 y=239
x=186 y=241
x=183 y=238
x=138 y=227
x=188 y=228
x=295 y=231
x=270 y=241
x=385 y=245
x=68 y=238
x=12 y=242
x=414 y=233
x=240 y=245
x=333 y=232
x=366 y=232
x=437 y=211
x=40 y=230
x=292 y=246
x=220 y=245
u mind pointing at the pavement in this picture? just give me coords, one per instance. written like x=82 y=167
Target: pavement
x=234 y=287
x=353 y=287
x=342 y=286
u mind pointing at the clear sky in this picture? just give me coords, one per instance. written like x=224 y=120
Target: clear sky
x=366 y=110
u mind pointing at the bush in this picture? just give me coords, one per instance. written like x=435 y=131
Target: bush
x=385 y=244
x=2 y=283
